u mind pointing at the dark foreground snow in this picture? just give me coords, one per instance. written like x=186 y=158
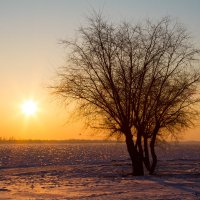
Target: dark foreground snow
x=95 y=171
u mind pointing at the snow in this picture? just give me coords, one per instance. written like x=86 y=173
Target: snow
x=95 y=171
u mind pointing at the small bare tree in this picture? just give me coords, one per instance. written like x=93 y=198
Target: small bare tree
x=140 y=81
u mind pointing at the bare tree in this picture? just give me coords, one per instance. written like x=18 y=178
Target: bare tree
x=139 y=81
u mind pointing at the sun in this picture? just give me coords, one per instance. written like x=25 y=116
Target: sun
x=29 y=107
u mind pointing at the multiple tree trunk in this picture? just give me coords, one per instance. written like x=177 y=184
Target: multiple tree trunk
x=140 y=155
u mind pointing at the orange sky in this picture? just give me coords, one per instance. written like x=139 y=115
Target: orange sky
x=30 y=53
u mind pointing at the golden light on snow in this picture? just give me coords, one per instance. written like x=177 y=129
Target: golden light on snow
x=29 y=107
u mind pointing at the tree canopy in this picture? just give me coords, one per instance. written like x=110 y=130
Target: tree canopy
x=140 y=81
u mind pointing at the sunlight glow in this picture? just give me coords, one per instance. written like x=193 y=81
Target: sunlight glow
x=29 y=107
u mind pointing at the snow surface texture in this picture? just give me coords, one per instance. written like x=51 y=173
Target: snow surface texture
x=95 y=171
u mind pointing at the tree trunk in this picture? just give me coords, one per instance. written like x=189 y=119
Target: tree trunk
x=153 y=154
x=137 y=160
x=146 y=154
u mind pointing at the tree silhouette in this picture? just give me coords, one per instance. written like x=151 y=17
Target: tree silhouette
x=138 y=81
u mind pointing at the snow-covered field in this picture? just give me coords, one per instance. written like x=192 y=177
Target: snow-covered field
x=95 y=171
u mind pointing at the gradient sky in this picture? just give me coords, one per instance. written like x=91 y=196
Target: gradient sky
x=30 y=53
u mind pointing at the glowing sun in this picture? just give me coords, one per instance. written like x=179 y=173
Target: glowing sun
x=29 y=107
